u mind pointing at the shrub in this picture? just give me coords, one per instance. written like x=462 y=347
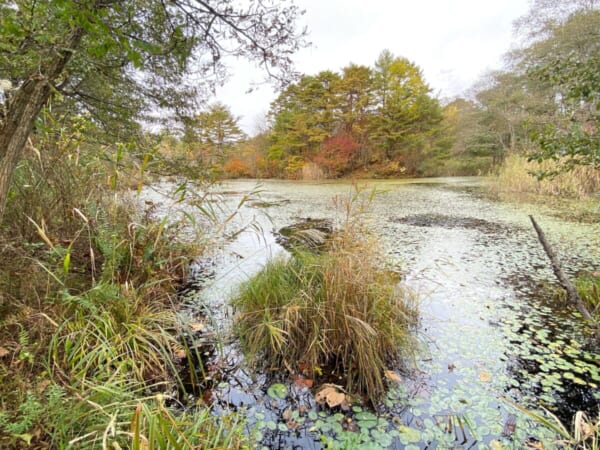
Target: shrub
x=337 y=154
x=236 y=168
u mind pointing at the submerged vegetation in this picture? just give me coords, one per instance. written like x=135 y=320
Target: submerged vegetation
x=335 y=311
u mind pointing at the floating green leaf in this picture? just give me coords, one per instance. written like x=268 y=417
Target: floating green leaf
x=277 y=391
x=408 y=434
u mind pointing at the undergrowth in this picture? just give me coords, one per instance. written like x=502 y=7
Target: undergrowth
x=333 y=309
x=90 y=340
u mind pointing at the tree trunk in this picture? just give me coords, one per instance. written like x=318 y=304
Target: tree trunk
x=24 y=108
x=560 y=275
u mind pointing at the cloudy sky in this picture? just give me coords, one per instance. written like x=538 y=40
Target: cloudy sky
x=453 y=41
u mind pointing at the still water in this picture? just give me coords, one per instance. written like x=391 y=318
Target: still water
x=491 y=330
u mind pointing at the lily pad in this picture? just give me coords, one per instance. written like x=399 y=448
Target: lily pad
x=383 y=439
x=277 y=391
x=365 y=416
x=408 y=434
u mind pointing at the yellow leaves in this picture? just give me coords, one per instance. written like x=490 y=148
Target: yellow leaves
x=41 y=230
x=533 y=443
x=497 y=445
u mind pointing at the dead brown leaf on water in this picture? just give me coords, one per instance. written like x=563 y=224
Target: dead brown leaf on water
x=331 y=396
x=287 y=414
x=393 y=376
x=302 y=382
x=484 y=376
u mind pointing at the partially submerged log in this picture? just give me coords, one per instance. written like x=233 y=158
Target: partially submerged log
x=309 y=234
x=572 y=293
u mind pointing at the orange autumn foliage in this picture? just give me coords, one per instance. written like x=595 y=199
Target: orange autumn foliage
x=236 y=168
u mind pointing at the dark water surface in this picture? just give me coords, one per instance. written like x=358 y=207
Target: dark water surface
x=491 y=331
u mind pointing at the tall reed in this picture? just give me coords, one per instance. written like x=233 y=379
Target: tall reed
x=517 y=175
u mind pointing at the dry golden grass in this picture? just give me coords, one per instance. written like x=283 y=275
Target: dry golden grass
x=515 y=176
x=312 y=171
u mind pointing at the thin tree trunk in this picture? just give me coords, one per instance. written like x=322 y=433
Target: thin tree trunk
x=24 y=108
x=562 y=278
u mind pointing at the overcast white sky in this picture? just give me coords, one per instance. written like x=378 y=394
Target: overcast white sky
x=453 y=41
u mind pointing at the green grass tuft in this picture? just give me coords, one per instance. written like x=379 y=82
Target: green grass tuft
x=588 y=287
x=337 y=309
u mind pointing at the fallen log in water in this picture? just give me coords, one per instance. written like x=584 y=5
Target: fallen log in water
x=572 y=293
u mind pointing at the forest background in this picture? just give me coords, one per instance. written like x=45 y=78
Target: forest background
x=384 y=121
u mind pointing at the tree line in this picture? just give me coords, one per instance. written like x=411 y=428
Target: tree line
x=382 y=118
x=124 y=64
x=385 y=121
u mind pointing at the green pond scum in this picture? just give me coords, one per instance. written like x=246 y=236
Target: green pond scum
x=495 y=343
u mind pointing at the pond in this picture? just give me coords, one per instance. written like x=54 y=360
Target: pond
x=491 y=330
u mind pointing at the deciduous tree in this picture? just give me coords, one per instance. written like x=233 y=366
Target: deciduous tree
x=155 y=55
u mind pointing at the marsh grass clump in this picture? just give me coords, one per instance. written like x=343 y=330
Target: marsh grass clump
x=588 y=286
x=583 y=434
x=128 y=338
x=333 y=309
